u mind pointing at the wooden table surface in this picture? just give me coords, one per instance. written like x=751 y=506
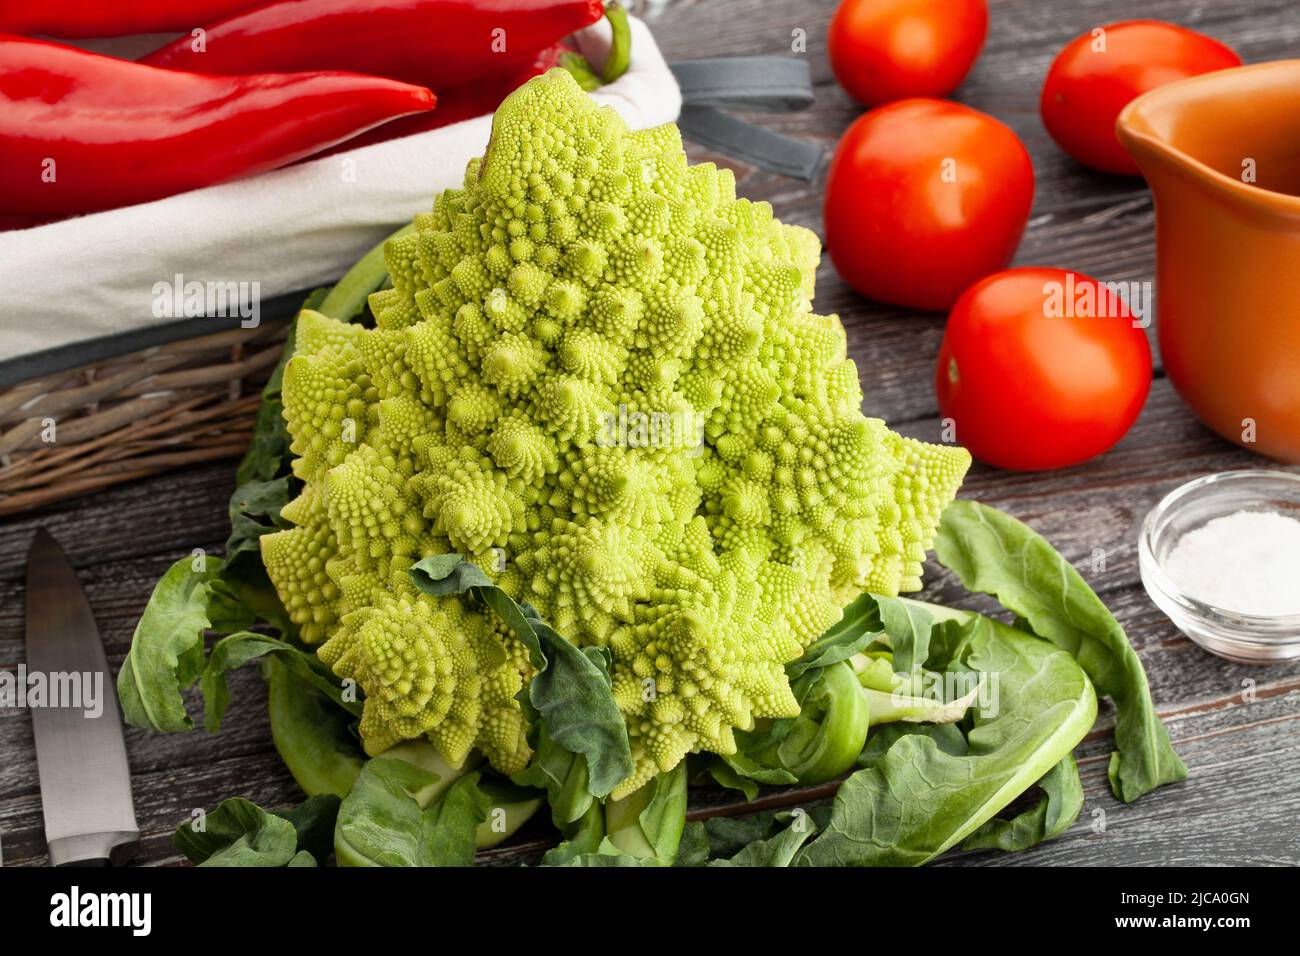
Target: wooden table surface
x=1237 y=727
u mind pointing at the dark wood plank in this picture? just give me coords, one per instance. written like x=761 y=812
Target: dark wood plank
x=168 y=513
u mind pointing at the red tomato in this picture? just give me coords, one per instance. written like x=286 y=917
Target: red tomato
x=884 y=50
x=1101 y=72
x=1041 y=368
x=923 y=198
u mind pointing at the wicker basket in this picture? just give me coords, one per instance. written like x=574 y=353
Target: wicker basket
x=133 y=416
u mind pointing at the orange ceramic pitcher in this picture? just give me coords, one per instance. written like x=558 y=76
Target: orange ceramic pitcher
x=1222 y=154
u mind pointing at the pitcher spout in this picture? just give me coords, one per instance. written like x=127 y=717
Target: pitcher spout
x=1236 y=131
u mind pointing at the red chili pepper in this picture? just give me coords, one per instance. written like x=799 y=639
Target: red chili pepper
x=458 y=103
x=478 y=99
x=436 y=43
x=8 y=223
x=81 y=132
x=96 y=18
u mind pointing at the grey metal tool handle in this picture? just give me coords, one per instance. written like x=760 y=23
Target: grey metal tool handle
x=94 y=849
x=712 y=86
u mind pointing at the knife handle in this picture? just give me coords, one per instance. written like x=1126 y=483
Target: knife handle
x=94 y=849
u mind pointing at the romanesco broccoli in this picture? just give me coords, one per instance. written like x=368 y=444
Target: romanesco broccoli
x=597 y=374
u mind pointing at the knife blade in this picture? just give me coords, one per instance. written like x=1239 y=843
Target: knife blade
x=80 y=752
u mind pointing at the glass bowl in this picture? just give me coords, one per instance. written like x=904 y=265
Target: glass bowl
x=1246 y=638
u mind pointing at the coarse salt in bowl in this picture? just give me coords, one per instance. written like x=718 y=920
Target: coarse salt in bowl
x=1221 y=557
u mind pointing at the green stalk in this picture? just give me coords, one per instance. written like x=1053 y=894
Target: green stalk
x=311 y=733
x=580 y=70
x=517 y=813
x=618 y=61
x=647 y=824
x=623 y=822
x=886 y=708
x=874 y=672
x=828 y=735
x=620 y=51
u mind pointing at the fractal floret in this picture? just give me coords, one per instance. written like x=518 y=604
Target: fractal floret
x=598 y=376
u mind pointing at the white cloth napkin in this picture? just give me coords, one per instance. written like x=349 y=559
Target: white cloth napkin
x=288 y=230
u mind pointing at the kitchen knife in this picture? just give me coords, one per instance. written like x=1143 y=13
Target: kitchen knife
x=85 y=778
